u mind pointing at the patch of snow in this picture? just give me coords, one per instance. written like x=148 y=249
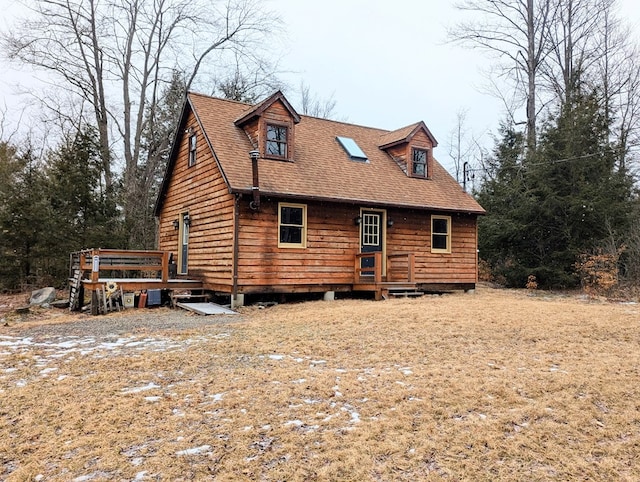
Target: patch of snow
x=217 y=397
x=140 y=476
x=152 y=399
x=318 y=362
x=46 y=371
x=301 y=380
x=144 y=388
x=203 y=449
x=21 y=383
x=276 y=357
x=297 y=423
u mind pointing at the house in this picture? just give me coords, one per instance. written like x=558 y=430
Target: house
x=260 y=199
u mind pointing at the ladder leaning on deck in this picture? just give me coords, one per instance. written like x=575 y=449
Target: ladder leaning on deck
x=75 y=290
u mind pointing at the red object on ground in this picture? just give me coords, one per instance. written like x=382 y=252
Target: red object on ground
x=142 y=300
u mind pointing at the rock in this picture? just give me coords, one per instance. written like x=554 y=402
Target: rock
x=42 y=296
x=22 y=310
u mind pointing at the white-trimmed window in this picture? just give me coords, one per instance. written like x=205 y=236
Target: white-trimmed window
x=292 y=225
x=440 y=234
x=193 y=141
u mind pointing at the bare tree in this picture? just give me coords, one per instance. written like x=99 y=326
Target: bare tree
x=517 y=32
x=575 y=39
x=247 y=78
x=314 y=106
x=116 y=55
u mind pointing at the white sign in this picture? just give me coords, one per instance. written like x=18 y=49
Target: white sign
x=96 y=264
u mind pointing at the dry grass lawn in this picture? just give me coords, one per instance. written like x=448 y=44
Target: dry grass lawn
x=496 y=385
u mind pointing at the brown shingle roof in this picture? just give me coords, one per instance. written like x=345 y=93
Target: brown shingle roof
x=321 y=168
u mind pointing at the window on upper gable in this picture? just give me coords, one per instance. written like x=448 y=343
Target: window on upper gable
x=276 y=141
x=419 y=162
x=193 y=140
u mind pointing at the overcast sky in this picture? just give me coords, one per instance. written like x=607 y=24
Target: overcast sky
x=386 y=62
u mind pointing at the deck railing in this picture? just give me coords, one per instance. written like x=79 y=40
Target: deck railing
x=399 y=267
x=375 y=270
x=97 y=260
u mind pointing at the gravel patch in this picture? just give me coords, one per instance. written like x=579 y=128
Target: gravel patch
x=147 y=322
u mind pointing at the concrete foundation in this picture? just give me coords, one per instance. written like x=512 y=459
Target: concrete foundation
x=329 y=295
x=237 y=301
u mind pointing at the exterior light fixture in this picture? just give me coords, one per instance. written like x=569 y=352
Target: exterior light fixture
x=186 y=220
x=357 y=220
x=389 y=223
x=176 y=224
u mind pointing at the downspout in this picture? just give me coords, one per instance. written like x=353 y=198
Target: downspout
x=236 y=248
x=255 y=189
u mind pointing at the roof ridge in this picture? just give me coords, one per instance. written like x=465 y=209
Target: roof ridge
x=232 y=101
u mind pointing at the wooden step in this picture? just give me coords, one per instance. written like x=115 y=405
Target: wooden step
x=405 y=293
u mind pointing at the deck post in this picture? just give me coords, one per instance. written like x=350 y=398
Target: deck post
x=95 y=265
x=378 y=266
x=165 y=266
x=411 y=266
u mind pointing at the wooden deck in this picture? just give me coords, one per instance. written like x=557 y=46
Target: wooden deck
x=93 y=269
x=396 y=275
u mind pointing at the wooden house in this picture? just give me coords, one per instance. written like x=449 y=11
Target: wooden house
x=260 y=199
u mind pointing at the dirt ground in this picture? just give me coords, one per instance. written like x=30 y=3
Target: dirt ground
x=495 y=385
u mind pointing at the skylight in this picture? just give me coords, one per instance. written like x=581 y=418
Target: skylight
x=352 y=148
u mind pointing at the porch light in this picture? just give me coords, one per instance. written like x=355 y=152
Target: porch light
x=187 y=220
x=357 y=220
x=176 y=224
x=389 y=223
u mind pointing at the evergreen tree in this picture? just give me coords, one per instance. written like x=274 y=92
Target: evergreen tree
x=569 y=199
x=85 y=215
x=25 y=219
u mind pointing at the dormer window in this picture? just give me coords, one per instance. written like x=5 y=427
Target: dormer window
x=419 y=162
x=276 y=141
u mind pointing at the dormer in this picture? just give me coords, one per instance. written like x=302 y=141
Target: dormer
x=270 y=126
x=412 y=149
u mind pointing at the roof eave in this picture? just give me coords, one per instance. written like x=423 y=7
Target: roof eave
x=368 y=202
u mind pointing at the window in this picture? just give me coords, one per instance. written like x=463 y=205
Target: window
x=419 y=161
x=276 y=141
x=292 y=225
x=352 y=149
x=440 y=234
x=371 y=229
x=192 y=149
